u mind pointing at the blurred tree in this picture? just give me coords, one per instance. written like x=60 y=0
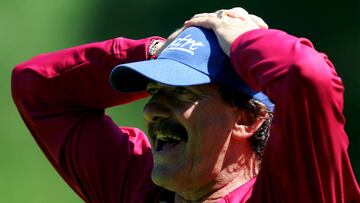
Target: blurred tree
x=32 y=27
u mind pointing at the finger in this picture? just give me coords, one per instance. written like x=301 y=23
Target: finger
x=238 y=12
x=176 y=33
x=203 y=15
x=259 y=21
x=219 y=13
x=208 y=22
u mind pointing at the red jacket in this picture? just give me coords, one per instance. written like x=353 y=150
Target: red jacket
x=62 y=96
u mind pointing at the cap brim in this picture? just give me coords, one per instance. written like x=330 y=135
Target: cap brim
x=132 y=77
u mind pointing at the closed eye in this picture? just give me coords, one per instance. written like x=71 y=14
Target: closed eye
x=181 y=91
x=152 y=91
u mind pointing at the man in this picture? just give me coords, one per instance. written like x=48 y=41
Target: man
x=206 y=142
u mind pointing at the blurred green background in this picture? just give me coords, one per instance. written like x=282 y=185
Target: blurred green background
x=28 y=28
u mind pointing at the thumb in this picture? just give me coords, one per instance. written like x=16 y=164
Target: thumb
x=208 y=22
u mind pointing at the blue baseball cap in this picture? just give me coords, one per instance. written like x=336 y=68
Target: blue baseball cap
x=193 y=58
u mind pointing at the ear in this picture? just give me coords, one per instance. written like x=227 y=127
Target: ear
x=246 y=124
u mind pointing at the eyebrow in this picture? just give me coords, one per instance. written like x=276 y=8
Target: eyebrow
x=154 y=84
x=197 y=89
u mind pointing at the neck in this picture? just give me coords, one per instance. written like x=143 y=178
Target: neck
x=229 y=179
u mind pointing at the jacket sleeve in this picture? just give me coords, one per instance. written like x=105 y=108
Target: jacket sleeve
x=306 y=157
x=61 y=96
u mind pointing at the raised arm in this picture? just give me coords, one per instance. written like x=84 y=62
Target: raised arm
x=306 y=157
x=61 y=96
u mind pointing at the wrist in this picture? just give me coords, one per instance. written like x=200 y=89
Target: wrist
x=155 y=48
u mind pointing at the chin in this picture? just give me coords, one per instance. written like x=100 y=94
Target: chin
x=167 y=178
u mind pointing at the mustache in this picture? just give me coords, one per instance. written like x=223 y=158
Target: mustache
x=167 y=127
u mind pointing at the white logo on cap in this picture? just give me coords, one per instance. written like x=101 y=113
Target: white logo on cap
x=185 y=44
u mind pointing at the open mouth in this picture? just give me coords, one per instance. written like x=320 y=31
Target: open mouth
x=165 y=142
x=167 y=134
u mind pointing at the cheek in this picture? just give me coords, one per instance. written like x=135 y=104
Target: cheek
x=209 y=133
x=213 y=136
x=210 y=122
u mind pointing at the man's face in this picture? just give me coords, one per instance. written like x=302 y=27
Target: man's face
x=189 y=129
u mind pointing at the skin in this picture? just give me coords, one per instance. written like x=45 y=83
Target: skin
x=217 y=158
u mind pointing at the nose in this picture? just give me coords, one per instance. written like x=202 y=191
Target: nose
x=156 y=109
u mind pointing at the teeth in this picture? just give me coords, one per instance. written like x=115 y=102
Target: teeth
x=167 y=137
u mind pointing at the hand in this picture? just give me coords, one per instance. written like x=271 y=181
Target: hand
x=170 y=39
x=227 y=24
